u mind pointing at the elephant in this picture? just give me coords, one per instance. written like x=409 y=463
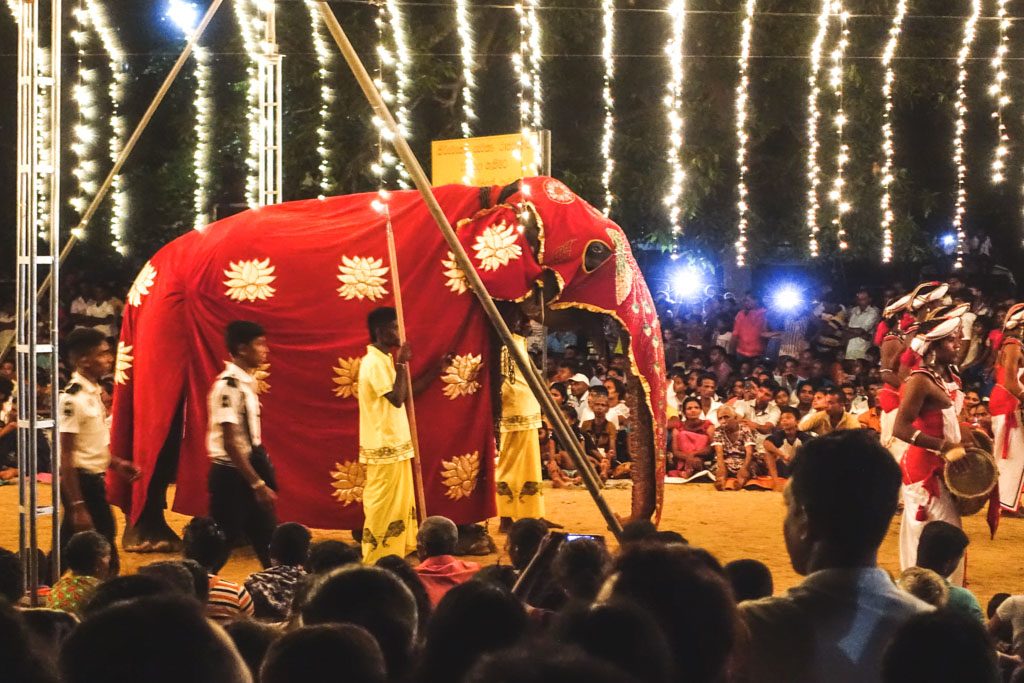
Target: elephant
x=309 y=272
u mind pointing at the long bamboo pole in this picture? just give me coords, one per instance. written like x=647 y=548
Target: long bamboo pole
x=405 y=153
x=129 y=146
x=410 y=404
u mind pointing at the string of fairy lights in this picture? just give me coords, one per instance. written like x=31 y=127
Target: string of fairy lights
x=99 y=127
x=608 y=132
x=813 y=145
x=324 y=60
x=742 y=95
x=839 y=121
x=999 y=94
x=91 y=18
x=887 y=145
x=464 y=28
x=960 y=127
x=249 y=26
x=674 y=115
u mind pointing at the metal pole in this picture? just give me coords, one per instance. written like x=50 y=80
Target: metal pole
x=423 y=185
x=56 y=35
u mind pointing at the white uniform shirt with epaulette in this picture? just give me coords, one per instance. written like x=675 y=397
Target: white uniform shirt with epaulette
x=83 y=414
x=232 y=398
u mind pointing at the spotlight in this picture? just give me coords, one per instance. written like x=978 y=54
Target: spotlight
x=688 y=282
x=184 y=15
x=787 y=298
x=948 y=240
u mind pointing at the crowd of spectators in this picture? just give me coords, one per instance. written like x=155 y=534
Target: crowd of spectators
x=750 y=383
x=566 y=608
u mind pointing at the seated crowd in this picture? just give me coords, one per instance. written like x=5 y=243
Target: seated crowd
x=565 y=608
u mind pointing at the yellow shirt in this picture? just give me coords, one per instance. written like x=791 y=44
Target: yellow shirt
x=384 y=436
x=520 y=409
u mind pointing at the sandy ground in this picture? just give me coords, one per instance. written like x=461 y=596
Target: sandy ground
x=732 y=525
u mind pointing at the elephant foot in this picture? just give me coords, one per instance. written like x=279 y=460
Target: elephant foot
x=474 y=540
x=151 y=535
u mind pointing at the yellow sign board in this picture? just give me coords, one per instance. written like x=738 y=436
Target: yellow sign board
x=497 y=159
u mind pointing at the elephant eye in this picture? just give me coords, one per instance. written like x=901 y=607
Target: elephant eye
x=597 y=253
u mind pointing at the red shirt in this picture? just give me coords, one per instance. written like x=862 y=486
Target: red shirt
x=442 y=573
x=747 y=331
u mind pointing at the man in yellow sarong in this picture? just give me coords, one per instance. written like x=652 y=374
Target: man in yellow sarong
x=518 y=475
x=385 y=442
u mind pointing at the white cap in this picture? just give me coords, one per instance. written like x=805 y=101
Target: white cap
x=580 y=377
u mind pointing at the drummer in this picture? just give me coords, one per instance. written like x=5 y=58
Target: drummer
x=927 y=420
x=1005 y=406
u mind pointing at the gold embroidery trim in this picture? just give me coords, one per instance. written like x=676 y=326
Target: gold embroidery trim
x=520 y=423
x=385 y=455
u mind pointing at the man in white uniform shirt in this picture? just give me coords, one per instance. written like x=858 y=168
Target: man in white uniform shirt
x=85 y=443
x=241 y=481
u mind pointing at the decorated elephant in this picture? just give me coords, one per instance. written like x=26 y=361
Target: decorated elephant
x=309 y=272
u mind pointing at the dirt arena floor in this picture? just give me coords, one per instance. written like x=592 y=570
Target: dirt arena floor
x=732 y=525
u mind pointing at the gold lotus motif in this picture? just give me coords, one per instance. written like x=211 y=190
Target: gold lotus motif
x=250 y=280
x=460 y=377
x=261 y=374
x=456 y=278
x=123 y=363
x=460 y=475
x=362 y=278
x=349 y=479
x=346 y=377
x=143 y=281
x=497 y=246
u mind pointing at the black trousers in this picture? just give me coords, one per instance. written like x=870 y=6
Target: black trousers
x=94 y=495
x=234 y=507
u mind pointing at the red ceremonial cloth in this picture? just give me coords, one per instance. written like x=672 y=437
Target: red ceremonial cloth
x=310 y=272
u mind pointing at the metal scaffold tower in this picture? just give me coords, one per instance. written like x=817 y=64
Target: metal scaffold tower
x=38 y=238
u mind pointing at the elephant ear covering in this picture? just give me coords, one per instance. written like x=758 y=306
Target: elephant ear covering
x=309 y=272
x=496 y=245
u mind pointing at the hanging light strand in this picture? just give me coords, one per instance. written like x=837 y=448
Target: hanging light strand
x=323 y=60
x=386 y=161
x=960 y=207
x=742 y=95
x=887 y=147
x=95 y=17
x=83 y=132
x=201 y=153
x=251 y=29
x=813 y=145
x=464 y=28
x=839 y=121
x=674 y=113
x=608 y=134
x=998 y=93
x=401 y=65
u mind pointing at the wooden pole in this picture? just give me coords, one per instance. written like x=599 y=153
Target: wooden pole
x=405 y=153
x=410 y=404
x=126 y=151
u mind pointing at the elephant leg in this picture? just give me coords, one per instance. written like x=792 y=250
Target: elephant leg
x=644 y=454
x=151 y=533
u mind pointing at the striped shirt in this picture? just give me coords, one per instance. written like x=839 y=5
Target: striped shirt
x=228 y=600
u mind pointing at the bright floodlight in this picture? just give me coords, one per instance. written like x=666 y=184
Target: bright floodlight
x=688 y=282
x=184 y=15
x=948 y=240
x=787 y=298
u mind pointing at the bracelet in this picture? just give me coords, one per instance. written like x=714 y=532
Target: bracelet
x=258 y=484
x=913 y=437
x=76 y=503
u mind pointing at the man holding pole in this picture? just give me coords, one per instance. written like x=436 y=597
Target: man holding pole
x=385 y=442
